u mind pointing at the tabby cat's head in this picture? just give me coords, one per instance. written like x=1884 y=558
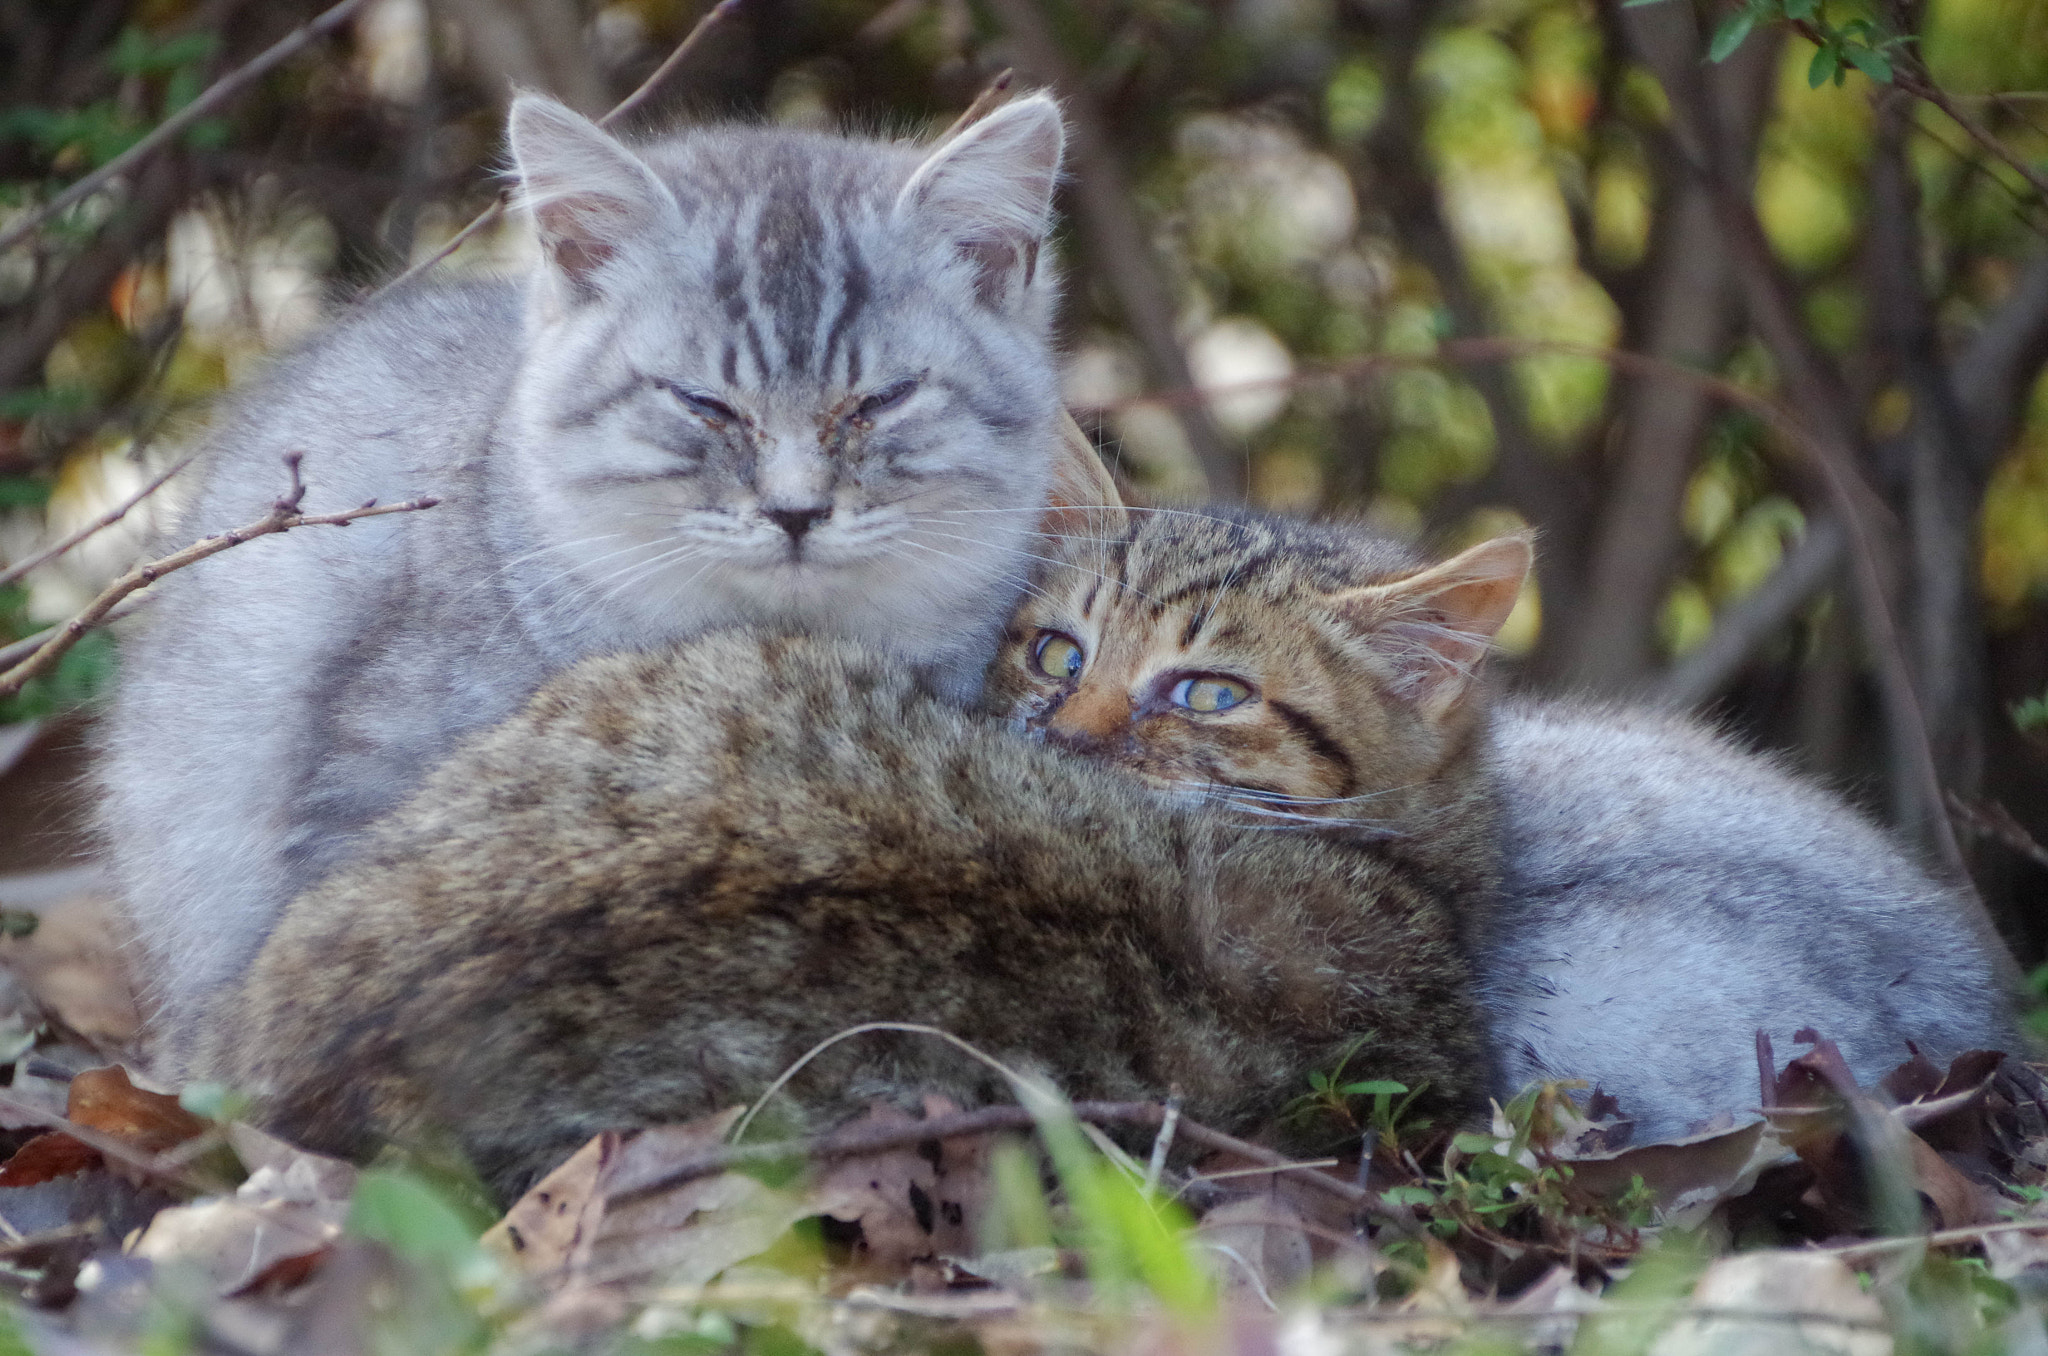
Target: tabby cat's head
x=1298 y=669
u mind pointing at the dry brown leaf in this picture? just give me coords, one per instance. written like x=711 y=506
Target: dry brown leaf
x=72 y=966
x=550 y=1229
x=1779 y=1283
x=1690 y=1176
x=918 y=1202
x=289 y=1210
x=574 y=1230
x=1954 y=1199
x=1260 y=1246
x=105 y=1100
x=46 y=1158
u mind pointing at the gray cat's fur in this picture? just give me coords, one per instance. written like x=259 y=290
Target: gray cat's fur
x=761 y=375
x=1667 y=894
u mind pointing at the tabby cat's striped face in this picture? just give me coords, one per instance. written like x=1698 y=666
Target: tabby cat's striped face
x=1298 y=669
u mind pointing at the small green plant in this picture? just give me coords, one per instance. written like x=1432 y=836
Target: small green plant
x=2031 y=715
x=1331 y=1099
x=1859 y=44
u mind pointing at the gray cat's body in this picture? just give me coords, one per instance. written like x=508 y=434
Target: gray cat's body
x=1667 y=894
x=759 y=376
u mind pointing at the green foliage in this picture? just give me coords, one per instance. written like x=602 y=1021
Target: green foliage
x=1856 y=44
x=2031 y=714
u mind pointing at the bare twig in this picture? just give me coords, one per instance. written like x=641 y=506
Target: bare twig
x=216 y=94
x=105 y=520
x=284 y=515
x=162 y=1167
x=859 y=1140
x=1125 y=259
x=496 y=210
x=1908 y=75
x=983 y=104
x=1805 y=571
x=668 y=66
x=1989 y=819
x=1944 y=1238
x=14 y=653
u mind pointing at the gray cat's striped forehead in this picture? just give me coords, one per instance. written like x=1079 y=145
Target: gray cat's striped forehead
x=793 y=238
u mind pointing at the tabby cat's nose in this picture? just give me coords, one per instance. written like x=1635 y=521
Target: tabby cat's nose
x=797 y=521
x=1090 y=720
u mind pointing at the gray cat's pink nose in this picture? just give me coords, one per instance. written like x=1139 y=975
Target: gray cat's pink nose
x=796 y=521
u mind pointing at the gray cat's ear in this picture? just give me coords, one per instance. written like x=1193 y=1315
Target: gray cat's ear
x=588 y=194
x=1439 y=623
x=1085 y=501
x=990 y=188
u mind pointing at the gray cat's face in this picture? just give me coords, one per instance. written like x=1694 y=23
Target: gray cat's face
x=786 y=378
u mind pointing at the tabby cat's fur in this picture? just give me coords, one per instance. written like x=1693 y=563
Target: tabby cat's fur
x=1665 y=894
x=645 y=895
x=760 y=376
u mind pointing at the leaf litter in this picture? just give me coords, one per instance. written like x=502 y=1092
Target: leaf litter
x=132 y=1221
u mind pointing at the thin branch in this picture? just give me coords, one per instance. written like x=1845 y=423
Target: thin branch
x=859 y=1140
x=1909 y=77
x=284 y=515
x=216 y=94
x=1988 y=819
x=1945 y=1238
x=1124 y=257
x=1804 y=571
x=667 y=68
x=490 y=215
x=14 y=653
x=983 y=104
x=104 y=521
x=177 y=1171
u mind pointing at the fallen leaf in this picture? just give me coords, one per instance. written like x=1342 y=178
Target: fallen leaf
x=922 y=1201
x=47 y=1157
x=289 y=1211
x=1260 y=1247
x=1845 y=1320
x=1690 y=1176
x=105 y=1100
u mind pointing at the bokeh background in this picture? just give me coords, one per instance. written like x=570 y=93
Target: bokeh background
x=1760 y=359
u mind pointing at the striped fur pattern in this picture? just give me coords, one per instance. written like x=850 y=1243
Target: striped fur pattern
x=1663 y=893
x=760 y=376
x=1356 y=661
x=647 y=894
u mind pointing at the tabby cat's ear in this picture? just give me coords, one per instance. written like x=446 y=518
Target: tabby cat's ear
x=1085 y=501
x=990 y=188
x=588 y=194
x=1439 y=623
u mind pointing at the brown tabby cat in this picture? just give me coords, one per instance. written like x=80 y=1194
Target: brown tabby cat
x=651 y=891
x=1665 y=894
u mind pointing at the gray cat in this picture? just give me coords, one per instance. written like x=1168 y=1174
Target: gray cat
x=1667 y=894
x=760 y=375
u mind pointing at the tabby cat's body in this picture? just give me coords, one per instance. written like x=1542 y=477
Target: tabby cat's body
x=648 y=893
x=1665 y=895
x=759 y=376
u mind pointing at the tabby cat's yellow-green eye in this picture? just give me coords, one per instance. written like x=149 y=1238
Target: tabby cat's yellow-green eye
x=1056 y=655
x=1209 y=694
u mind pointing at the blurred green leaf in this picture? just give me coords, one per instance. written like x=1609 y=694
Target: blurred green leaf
x=1871 y=62
x=23 y=491
x=409 y=1217
x=1729 y=35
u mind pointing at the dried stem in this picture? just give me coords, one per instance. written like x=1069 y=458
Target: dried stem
x=216 y=94
x=284 y=515
x=496 y=210
x=857 y=1141
x=104 y=521
x=163 y=1167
